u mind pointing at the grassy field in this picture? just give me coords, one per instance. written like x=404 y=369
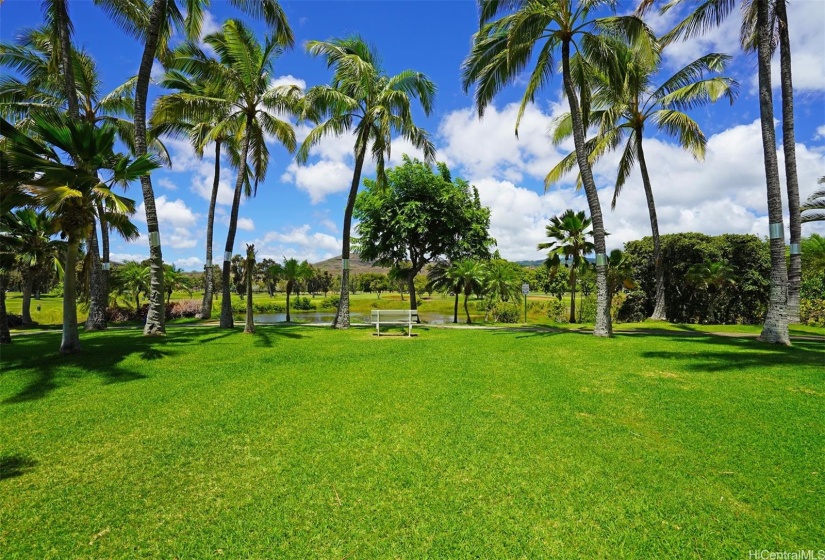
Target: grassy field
x=302 y=442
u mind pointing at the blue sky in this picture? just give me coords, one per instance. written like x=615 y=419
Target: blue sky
x=299 y=209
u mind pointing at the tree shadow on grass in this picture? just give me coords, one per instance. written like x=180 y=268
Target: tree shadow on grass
x=264 y=334
x=15 y=465
x=36 y=356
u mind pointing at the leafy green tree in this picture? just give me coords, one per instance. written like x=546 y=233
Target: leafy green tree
x=72 y=192
x=570 y=232
x=715 y=277
x=510 y=34
x=419 y=216
x=379 y=285
x=626 y=96
x=292 y=272
x=380 y=105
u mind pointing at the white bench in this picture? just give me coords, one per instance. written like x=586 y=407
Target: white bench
x=393 y=317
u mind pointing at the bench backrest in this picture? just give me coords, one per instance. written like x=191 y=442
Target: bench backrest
x=393 y=314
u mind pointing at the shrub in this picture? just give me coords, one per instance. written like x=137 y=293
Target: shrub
x=557 y=311
x=269 y=307
x=812 y=312
x=302 y=304
x=632 y=308
x=505 y=312
x=330 y=302
x=183 y=309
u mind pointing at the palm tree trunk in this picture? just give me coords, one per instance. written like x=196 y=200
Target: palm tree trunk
x=572 y=294
x=96 y=321
x=5 y=334
x=63 y=25
x=249 y=328
x=27 y=297
x=71 y=338
x=455 y=308
x=659 y=311
x=288 y=292
x=789 y=146
x=208 y=271
x=156 y=315
x=341 y=320
x=775 y=329
x=603 y=325
x=105 y=264
x=227 y=321
x=467 y=309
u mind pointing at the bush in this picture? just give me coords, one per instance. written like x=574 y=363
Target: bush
x=812 y=287
x=632 y=308
x=812 y=312
x=330 y=302
x=302 y=304
x=557 y=311
x=186 y=308
x=504 y=312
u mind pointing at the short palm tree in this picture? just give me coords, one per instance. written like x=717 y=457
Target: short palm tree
x=619 y=272
x=441 y=278
x=131 y=280
x=245 y=68
x=72 y=192
x=510 y=34
x=293 y=272
x=374 y=106
x=470 y=277
x=570 y=232
x=715 y=277
x=625 y=99
x=175 y=281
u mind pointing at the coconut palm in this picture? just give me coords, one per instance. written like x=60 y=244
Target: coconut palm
x=154 y=28
x=72 y=191
x=249 y=276
x=510 y=33
x=293 y=272
x=12 y=196
x=570 y=232
x=363 y=100
x=713 y=276
x=469 y=276
x=626 y=98
x=34 y=230
x=132 y=280
x=441 y=277
x=246 y=72
x=814 y=208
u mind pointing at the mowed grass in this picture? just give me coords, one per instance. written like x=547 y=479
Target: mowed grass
x=302 y=442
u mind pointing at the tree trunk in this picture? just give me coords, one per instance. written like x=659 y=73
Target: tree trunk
x=208 y=271
x=5 y=334
x=603 y=325
x=96 y=321
x=455 y=308
x=413 y=298
x=659 y=311
x=467 y=309
x=249 y=328
x=27 y=297
x=156 y=315
x=341 y=320
x=572 y=295
x=775 y=329
x=71 y=338
x=105 y=264
x=789 y=146
x=227 y=321
x=64 y=35
x=288 y=292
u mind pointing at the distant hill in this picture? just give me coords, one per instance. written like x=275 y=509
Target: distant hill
x=530 y=264
x=356 y=266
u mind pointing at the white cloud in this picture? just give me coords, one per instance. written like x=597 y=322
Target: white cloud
x=820 y=133
x=189 y=263
x=319 y=179
x=298 y=242
x=201 y=171
x=289 y=80
x=167 y=184
x=176 y=220
x=125 y=257
x=246 y=224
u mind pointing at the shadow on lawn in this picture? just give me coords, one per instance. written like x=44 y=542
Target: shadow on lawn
x=15 y=465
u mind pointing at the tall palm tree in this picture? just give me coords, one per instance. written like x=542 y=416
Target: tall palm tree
x=34 y=230
x=72 y=191
x=469 y=276
x=625 y=98
x=570 y=233
x=154 y=28
x=380 y=105
x=245 y=70
x=510 y=32
x=293 y=272
x=707 y=15
x=713 y=276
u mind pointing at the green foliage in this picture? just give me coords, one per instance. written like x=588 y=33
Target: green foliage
x=812 y=312
x=632 y=307
x=302 y=304
x=747 y=256
x=330 y=302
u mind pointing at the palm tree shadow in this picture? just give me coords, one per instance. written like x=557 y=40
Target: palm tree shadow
x=15 y=465
x=263 y=334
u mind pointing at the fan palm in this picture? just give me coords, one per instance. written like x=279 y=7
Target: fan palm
x=154 y=28
x=72 y=191
x=292 y=272
x=132 y=280
x=625 y=99
x=502 y=49
x=570 y=233
x=380 y=105
x=713 y=276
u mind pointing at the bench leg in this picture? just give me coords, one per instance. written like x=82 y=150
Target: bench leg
x=378 y=328
x=410 y=333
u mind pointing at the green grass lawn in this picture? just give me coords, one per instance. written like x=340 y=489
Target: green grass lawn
x=302 y=442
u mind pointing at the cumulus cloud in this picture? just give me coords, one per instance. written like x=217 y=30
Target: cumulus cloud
x=288 y=80
x=189 y=263
x=177 y=222
x=319 y=179
x=126 y=257
x=201 y=171
x=298 y=242
x=246 y=224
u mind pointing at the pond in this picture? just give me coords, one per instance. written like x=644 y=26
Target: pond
x=321 y=317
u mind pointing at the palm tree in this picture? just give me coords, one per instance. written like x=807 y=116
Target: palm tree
x=815 y=205
x=619 y=272
x=155 y=29
x=172 y=114
x=715 y=277
x=132 y=279
x=249 y=274
x=441 y=277
x=36 y=249
x=380 y=105
x=72 y=192
x=502 y=49
x=570 y=233
x=246 y=71
x=175 y=280
x=625 y=99
x=709 y=14
x=469 y=276
x=293 y=272
x=12 y=196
